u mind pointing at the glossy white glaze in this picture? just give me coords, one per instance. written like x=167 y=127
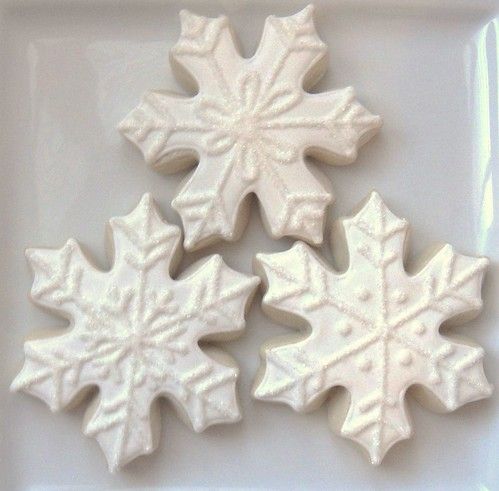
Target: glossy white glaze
x=72 y=70
x=134 y=334
x=374 y=329
x=251 y=124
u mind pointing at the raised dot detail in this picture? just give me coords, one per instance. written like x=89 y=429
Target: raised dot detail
x=419 y=328
x=345 y=329
x=400 y=296
x=364 y=364
x=404 y=357
x=363 y=294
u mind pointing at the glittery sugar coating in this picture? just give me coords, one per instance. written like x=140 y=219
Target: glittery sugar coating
x=374 y=329
x=134 y=334
x=250 y=125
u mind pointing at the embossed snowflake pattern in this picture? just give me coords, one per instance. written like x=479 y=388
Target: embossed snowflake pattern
x=134 y=334
x=250 y=125
x=374 y=330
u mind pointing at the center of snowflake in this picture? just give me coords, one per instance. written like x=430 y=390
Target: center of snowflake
x=383 y=329
x=245 y=126
x=135 y=340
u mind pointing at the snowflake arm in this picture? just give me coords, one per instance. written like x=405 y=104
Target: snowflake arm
x=143 y=243
x=53 y=371
x=207 y=394
x=299 y=282
x=451 y=285
x=123 y=422
x=134 y=334
x=250 y=126
x=207 y=47
x=293 y=50
x=58 y=277
x=338 y=126
x=218 y=295
x=374 y=329
x=211 y=205
x=165 y=128
x=376 y=422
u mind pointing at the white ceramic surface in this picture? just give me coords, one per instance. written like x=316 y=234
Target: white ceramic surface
x=71 y=71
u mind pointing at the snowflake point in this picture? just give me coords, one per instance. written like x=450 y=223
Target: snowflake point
x=54 y=407
x=30 y=253
x=127 y=125
x=189 y=243
x=483 y=263
x=306 y=11
x=199 y=426
x=114 y=465
x=71 y=245
x=375 y=198
x=349 y=91
x=305 y=14
x=146 y=202
x=259 y=393
x=253 y=282
x=186 y=15
x=190 y=22
x=261 y=258
x=17 y=384
x=376 y=121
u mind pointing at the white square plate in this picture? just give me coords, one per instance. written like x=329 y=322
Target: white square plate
x=69 y=73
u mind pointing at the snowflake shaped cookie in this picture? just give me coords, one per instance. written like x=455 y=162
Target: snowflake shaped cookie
x=374 y=330
x=250 y=125
x=134 y=334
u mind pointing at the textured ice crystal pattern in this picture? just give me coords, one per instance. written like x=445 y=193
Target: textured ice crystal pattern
x=134 y=334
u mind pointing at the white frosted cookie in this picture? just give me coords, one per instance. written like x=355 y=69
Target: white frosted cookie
x=250 y=125
x=374 y=330
x=134 y=334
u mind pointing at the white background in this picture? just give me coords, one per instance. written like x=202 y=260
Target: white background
x=70 y=72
